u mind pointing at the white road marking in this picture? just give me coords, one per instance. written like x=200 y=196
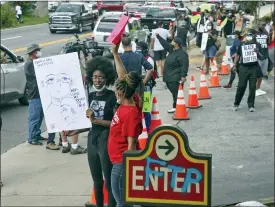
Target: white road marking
x=11 y=38
x=270 y=101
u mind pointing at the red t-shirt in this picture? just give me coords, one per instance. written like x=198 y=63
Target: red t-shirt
x=127 y=122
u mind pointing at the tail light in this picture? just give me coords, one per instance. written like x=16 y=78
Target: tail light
x=171 y=24
x=93 y=37
x=137 y=15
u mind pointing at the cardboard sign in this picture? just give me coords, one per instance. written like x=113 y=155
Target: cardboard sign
x=249 y=54
x=115 y=36
x=167 y=172
x=204 y=40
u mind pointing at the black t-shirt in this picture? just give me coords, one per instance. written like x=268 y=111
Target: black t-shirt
x=32 y=88
x=103 y=107
x=262 y=39
x=210 y=41
x=247 y=55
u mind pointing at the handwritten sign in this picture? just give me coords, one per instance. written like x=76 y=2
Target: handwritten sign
x=167 y=172
x=62 y=92
x=249 y=54
x=115 y=36
x=204 y=40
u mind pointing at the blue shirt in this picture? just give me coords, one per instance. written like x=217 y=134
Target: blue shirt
x=134 y=61
x=234 y=47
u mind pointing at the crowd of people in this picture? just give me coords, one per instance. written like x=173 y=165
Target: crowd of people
x=134 y=71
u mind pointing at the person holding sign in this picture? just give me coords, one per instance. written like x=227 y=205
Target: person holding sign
x=247 y=56
x=211 y=48
x=100 y=74
x=126 y=125
x=262 y=38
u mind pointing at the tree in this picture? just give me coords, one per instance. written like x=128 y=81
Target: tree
x=8 y=16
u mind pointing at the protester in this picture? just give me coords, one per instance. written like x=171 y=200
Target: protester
x=239 y=22
x=248 y=70
x=134 y=61
x=271 y=46
x=175 y=68
x=74 y=148
x=230 y=25
x=211 y=48
x=200 y=28
x=126 y=125
x=35 y=110
x=262 y=38
x=248 y=19
x=159 y=52
x=18 y=10
x=142 y=48
x=183 y=27
x=233 y=53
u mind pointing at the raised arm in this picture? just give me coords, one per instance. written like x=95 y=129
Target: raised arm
x=168 y=47
x=120 y=69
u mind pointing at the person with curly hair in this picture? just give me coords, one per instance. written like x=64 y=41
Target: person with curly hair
x=100 y=74
x=126 y=124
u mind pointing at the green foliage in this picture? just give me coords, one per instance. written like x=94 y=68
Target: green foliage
x=251 y=5
x=26 y=6
x=8 y=17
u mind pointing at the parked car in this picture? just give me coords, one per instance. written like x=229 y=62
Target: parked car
x=167 y=15
x=107 y=6
x=106 y=24
x=131 y=8
x=72 y=17
x=13 y=80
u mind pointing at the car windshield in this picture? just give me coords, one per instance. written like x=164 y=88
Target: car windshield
x=69 y=8
x=143 y=10
x=164 y=13
x=132 y=8
x=106 y=26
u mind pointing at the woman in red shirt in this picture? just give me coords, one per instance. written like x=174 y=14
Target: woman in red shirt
x=126 y=125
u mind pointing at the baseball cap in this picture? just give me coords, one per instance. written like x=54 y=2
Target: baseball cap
x=178 y=41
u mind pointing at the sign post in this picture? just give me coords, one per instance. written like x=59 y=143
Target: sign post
x=167 y=172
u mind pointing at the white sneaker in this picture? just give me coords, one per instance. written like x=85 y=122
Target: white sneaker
x=262 y=92
x=171 y=110
x=251 y=109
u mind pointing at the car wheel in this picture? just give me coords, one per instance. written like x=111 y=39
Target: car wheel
x=80 y=28
x=24 y=100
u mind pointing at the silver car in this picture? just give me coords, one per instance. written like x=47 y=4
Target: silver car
x=13 y=80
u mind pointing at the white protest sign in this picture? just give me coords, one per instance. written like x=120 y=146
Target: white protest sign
x=249 y=54
x=204 y=40
x=62 y=92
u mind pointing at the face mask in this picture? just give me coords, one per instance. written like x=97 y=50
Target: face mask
x=209 y=28
x=38 y=54
x=248 y=38
x=99 y=90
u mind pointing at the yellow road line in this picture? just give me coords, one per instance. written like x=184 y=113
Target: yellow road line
x=195 y=59
x=53 y=42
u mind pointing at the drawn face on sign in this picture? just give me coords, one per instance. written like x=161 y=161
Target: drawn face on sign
x=68 y=113
x=58 y=85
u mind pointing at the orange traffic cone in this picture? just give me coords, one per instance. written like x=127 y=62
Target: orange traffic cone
x=214 y=80
x=155 y=119
x=193 y=102
x=92 y=202
x=181 y=113
x=224 y=67
x=203 y=92
x=142 y=139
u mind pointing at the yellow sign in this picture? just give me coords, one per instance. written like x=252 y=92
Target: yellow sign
x=147 y=103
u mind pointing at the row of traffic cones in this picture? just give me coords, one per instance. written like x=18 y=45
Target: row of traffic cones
x=193 y=99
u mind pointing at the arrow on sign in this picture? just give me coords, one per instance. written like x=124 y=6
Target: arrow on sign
x=169 y=147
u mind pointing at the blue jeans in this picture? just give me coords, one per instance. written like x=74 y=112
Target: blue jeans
x=35 y=118
x=116 y=183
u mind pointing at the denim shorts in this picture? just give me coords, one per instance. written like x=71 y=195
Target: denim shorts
x=210 y=52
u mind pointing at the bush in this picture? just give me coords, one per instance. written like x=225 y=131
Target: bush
x=8 y=16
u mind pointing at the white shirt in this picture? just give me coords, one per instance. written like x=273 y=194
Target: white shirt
x=18 y=10
x=121 y=50
x=249 y=21
x=164 y=33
